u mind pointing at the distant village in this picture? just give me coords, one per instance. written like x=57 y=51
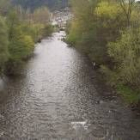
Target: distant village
x=60 y=18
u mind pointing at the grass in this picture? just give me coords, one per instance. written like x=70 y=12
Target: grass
x=129 y=95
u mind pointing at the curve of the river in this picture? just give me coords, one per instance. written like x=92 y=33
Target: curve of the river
x=56 y=99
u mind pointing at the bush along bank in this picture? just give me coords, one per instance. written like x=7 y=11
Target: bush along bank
x=109 y=33
x=19 y=32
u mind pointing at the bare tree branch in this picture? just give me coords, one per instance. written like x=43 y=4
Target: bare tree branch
x=127 y=7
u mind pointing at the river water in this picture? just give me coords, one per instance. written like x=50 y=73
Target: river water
x=56 y=98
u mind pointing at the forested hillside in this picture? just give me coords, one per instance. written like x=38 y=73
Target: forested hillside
x=32 y=4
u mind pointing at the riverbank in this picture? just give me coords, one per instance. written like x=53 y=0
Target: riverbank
x=112 y=93
x=126 y=94
x=111 y=47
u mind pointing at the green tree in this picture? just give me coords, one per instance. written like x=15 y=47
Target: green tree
x=21 y=43
x=108 y=31
x=3 y=44
x=12 y=22
x=125 y=55
x=125 y=71
x=20 y=47
x=94 y=25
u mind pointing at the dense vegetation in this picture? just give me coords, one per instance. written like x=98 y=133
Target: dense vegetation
x=108 y=31
x=33 y=4
x=20 y=29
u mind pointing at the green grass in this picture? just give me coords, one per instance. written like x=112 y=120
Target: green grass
x=129 y=95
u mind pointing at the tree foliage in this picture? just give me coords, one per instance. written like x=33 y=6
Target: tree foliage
x=94 y=25
x=19 y=31
x=20 y=46
x=108 y=31
x=3 y=44
x=125 y=55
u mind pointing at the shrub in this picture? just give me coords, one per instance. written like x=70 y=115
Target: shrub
x=20 y=48
x=47 y=30
x=125 y=55
x=3 y=44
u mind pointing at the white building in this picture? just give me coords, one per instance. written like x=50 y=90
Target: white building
x=137 y=1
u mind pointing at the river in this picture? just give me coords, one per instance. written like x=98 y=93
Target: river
x=56 y=98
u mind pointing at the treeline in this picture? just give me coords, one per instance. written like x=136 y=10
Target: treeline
x=19 y=30
x=108 y=31
x=33 y=4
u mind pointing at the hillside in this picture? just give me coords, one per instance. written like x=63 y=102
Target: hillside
x=32 y=4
